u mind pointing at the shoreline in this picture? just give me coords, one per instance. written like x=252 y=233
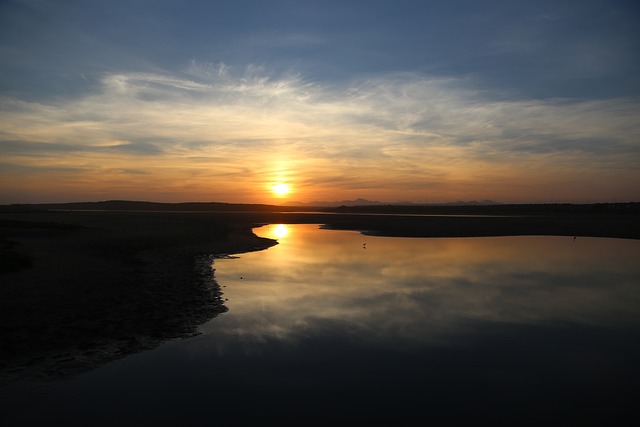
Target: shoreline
x=103 y=285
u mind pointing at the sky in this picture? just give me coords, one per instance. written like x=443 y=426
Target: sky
x=421 y=101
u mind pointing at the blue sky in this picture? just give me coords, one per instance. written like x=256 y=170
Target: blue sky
x=427 y=101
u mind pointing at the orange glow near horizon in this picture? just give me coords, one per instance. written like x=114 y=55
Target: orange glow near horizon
x=308 y=143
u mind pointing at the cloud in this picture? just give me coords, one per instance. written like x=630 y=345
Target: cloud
x=405 y=134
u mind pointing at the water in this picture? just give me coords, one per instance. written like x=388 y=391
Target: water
x=336 y=324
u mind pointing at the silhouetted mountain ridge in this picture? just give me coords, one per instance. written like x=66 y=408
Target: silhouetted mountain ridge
x=132 y=205
x=365 y=202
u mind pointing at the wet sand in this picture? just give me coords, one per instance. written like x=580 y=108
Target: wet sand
x=80 y=289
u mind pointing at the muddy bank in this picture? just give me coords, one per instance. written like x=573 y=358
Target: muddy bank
x=98 y=287
x=585 y=225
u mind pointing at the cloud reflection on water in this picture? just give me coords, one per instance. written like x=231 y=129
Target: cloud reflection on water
x=409 y=291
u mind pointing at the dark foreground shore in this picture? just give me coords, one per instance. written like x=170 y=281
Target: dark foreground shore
x=79 y=289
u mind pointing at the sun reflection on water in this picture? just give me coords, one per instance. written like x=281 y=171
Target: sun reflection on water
x=279 y=231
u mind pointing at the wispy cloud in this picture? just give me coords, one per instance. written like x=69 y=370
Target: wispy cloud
x=227 y=134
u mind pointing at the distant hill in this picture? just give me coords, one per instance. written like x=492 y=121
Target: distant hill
x=356 y=202
x=365 y=202
x=140 y=206
x=133 y=205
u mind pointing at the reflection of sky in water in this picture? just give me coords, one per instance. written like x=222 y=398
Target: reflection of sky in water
x=538 y=330
x=407 y=290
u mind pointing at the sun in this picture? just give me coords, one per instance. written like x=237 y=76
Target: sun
x=280 y=189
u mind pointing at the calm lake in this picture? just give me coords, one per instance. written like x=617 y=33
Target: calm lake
x=337 y=324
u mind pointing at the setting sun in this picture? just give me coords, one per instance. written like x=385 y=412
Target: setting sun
x=280 y=189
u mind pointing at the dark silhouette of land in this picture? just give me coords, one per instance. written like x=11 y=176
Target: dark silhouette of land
x=427 y=209
x=86 y=283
